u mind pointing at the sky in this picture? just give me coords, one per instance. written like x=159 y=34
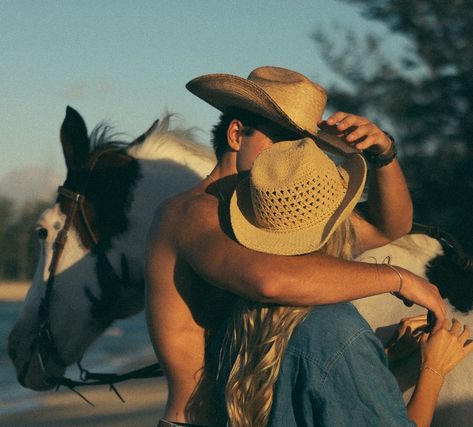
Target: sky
x=127 y=62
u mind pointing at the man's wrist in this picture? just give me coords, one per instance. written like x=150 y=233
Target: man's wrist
x=378 y=160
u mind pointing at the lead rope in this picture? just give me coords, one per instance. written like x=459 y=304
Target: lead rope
x=94 y=379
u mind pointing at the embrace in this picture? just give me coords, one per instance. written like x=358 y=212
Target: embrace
x=250 y=273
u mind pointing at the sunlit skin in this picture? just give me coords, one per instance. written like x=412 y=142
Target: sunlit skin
x=188 y=250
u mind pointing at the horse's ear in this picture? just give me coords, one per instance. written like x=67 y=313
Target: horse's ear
x=145 y=135
x=74 y=139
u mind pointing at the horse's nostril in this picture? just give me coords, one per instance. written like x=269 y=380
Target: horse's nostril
x=42 y=233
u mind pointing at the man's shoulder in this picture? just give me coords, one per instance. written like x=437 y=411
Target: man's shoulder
x=188 y=206
x=184 y=215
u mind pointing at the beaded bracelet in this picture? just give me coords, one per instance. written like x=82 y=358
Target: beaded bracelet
x=382 y=159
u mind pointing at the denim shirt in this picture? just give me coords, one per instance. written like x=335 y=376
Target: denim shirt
x=334 y=373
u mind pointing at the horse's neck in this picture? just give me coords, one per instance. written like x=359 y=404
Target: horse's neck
x=412 y=252
x=167 y=168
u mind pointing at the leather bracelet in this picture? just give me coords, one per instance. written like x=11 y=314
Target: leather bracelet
x=382 y=159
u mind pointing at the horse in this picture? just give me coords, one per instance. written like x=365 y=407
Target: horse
x=92 y=249
x=106 y=205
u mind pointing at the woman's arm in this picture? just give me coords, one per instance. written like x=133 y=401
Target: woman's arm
x=441 y=352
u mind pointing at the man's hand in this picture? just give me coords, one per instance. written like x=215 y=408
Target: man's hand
x=358 y=131
x=417 y=290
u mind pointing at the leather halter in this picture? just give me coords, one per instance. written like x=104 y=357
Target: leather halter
x=45 y=343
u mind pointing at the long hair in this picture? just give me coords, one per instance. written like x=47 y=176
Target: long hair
x=258 y=335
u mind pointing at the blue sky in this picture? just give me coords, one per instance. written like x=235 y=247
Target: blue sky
x=128 y=61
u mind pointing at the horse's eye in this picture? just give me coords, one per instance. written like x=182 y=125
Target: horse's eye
x=42 y=233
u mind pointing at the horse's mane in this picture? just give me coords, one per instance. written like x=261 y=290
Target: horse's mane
x=104 y=136
x=165 y=141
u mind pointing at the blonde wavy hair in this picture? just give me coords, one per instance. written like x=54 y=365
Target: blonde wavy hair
x=258 y=336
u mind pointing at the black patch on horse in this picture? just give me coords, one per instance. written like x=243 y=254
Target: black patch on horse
x=454 y=283
x=118 y=290
x=107 y=181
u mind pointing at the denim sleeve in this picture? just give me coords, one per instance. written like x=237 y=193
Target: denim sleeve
x=355 y=388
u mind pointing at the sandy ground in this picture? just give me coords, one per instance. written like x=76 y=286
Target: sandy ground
x=145 y=400
x=13 y=291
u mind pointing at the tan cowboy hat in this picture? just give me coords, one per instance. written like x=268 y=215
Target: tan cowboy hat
x=283 y=96
x=294 y=198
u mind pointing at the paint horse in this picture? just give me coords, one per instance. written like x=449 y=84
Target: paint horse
x=91 y=266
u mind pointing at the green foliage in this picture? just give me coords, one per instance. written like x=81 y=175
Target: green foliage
x=424 y=89
x=19 y=246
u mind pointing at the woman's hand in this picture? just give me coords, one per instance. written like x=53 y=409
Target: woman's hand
x=406 y=339
x=358 y=131
x=446 y=348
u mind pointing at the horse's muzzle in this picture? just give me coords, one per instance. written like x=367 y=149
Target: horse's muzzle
x=31 y=372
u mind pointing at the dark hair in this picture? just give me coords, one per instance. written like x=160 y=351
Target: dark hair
x=251 y=122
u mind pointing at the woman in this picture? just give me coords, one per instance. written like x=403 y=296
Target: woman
x=323 y=365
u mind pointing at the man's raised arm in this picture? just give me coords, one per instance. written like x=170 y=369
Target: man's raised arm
x=389 y=205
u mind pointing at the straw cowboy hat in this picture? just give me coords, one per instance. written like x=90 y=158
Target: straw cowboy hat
x=283 y=96
x=294 y=198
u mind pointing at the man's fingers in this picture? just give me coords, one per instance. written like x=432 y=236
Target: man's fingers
x=440 y=320
x=336 y=117
x=344 y=120
x=368 y=132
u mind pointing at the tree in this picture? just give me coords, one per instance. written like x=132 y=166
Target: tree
x=425 y=91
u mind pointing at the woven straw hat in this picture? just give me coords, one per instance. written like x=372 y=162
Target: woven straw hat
x=283 y=96
x=294 y=198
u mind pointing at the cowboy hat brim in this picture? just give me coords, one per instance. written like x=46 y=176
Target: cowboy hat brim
x=226 y=91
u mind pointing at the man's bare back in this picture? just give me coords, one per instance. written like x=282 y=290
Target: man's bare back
x=186 y=309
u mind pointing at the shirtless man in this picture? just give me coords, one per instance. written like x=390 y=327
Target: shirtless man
x=194 y=265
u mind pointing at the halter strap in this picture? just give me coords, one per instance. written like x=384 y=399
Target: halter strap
x=78 y=200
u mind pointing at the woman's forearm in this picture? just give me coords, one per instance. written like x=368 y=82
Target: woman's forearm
x=422 y=404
